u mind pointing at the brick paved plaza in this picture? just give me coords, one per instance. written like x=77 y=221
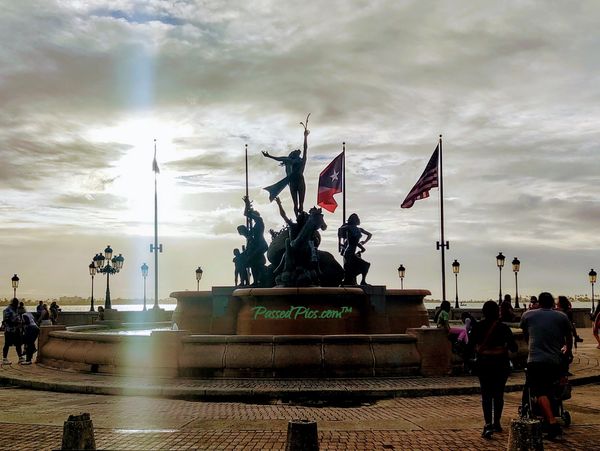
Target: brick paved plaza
x=33 y=419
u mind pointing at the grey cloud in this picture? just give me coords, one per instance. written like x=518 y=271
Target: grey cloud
x=511 y=86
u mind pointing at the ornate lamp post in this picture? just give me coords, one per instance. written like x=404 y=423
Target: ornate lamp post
x=500 y=262
x=456 y=270
x=92 y=269
x=108 y=269
x=592 y=275
x=199 y=273
x=516 y=265
x=15 y=284
x=144 y=275
x=401 y=271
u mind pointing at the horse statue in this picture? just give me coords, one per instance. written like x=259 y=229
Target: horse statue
x=299 y=266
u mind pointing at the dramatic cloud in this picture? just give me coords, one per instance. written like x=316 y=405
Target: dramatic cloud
x=86 y=86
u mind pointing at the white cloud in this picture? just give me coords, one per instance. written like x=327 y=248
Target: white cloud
x=86 y=85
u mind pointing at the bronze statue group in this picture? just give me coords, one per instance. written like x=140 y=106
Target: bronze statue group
x=294 y=257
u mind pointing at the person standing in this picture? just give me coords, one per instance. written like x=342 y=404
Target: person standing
x=30 y=334
x=507 y=314
x=54 y=309
x=12 y=331
x=550 y=339
x=564 y=305
x=492 y=340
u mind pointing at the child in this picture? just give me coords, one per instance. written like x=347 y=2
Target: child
x=241 y=272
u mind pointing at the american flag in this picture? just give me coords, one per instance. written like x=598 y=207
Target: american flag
x=428 y=180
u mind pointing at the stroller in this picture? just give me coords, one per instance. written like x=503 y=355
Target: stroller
x=561 y=392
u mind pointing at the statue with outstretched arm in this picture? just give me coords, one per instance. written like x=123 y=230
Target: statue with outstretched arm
x=294 y=164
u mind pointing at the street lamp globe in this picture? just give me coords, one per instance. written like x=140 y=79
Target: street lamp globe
x=401 y=271
x=144 y=269
x=99 y=259
x=516 y=264
x=592 y=274
x=500 y=260
x=456 y=267
x=92 y=269
x=118 y=262
x=15 y=281
x=108 y=252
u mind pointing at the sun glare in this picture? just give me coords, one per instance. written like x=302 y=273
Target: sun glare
x=134 y=175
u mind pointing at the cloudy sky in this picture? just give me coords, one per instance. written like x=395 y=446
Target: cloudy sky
x=86 y=86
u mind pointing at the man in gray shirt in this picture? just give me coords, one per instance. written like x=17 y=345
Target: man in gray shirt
x=550 y=340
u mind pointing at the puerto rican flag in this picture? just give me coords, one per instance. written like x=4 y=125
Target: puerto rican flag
x=331 y=183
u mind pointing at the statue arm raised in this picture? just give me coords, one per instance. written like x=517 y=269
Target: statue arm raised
x=282 y=212
x=305 y=152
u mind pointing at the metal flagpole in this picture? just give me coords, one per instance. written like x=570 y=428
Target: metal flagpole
x=344 y=183
x=443 y=245
x=155 y=248
x=247 y=219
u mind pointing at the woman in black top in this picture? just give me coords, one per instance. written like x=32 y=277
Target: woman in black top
x=492 y=340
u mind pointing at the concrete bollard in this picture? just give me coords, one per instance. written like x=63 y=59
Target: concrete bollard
x=525 y=435
x=302 y=436
x=78 y=433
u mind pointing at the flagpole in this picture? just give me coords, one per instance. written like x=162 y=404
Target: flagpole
x=344 y=183
x=247 y=219
x=156 y=248
x=443 y=245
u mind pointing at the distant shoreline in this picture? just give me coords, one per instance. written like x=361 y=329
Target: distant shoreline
x=33 y=303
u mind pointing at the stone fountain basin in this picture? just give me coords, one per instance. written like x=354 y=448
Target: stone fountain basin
x=300 y=311
x=178 y=353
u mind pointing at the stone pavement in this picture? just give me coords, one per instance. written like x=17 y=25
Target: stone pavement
x=32 y=420
x=449 y=418
x=585 y=369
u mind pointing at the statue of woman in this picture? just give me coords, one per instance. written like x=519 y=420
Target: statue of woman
x=349 y=239
x=294 y=170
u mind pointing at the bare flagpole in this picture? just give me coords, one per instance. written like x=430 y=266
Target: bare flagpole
x=344 y=183
x=247 y=219
x=155 y=248
x=443 y=245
